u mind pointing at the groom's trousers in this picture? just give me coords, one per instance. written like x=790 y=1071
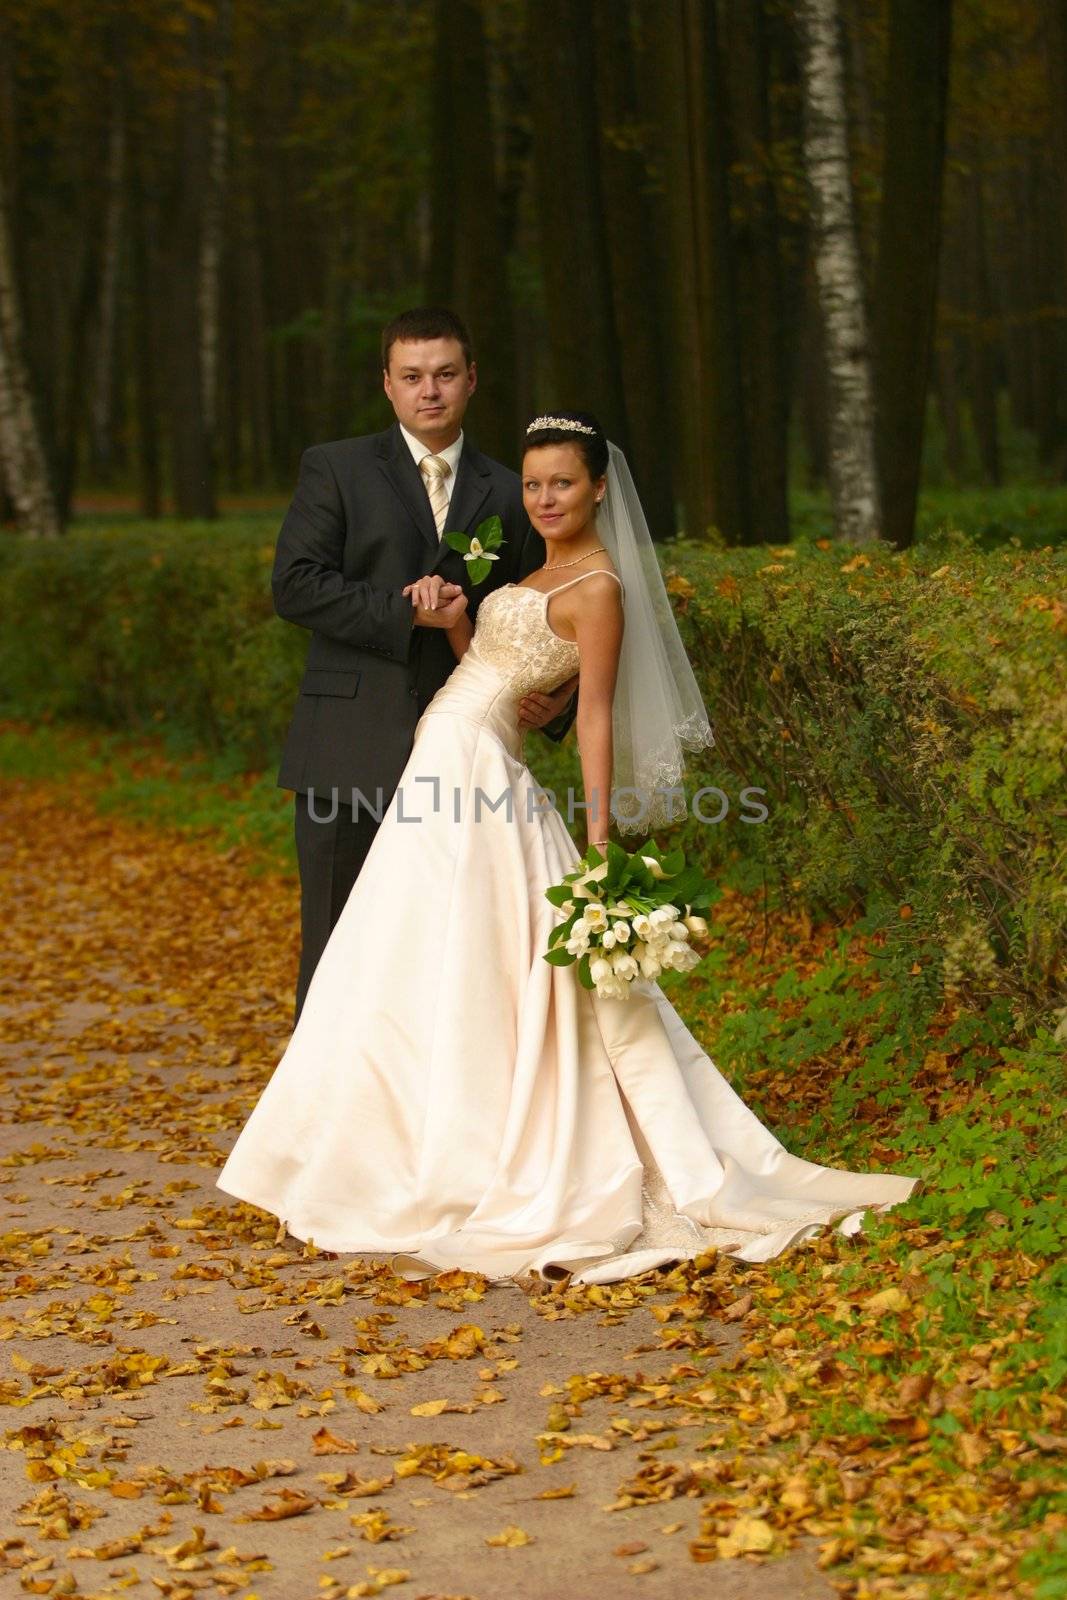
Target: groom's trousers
x=330 y=854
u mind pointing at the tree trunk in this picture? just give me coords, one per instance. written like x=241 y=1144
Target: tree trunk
x=853 y=473
x=985 y=365
x=468 y=225
x=217 y=106
x=759 y=276
x=102 y=398
x=636 y=274
x=144 y=346
x=25 y=467
x=1044 y=333
x=72 y=384
x=191 y=457
x=811 y=387
x=570 y=207
x=440 y=272
x=905 y=297
x=1056 y=34
x=708 y=413
x=946 y=369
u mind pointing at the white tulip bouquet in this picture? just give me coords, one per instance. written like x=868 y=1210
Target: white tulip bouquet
x=628 y=916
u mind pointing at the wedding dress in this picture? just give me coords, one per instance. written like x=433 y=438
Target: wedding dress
x=451 y=1098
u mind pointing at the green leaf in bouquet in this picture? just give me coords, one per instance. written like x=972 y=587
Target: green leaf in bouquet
x=585 y=977
x=558 y=957
x=559 y=894
x=674 y=862
x=684 y=885
x=562 y=929
x=618 y=861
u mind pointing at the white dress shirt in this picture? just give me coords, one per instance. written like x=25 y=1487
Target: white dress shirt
x=451 y=455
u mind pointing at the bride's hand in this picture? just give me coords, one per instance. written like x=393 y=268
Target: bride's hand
x=432 y=591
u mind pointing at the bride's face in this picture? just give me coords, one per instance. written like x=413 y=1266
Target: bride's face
x=559 y=495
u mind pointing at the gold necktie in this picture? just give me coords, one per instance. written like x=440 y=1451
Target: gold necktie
x=435 y=469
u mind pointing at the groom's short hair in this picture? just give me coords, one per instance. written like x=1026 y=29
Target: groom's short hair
x=425 y=322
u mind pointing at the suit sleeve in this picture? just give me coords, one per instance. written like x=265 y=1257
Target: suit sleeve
x=308 y=581
x=531 y=557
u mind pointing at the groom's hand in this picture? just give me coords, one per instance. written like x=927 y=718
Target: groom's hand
x=536 y=709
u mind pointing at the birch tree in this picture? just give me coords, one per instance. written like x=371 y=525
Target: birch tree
x=853 y=472
x=21 y=450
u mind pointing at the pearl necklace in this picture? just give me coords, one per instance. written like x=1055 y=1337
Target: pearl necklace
x=556 y=565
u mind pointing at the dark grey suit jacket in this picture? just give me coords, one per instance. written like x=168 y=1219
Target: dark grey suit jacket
x=358 y=529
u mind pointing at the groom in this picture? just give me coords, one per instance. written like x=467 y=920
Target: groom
x=366 y=519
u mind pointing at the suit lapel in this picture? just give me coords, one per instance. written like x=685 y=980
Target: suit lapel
x=471 y=491
x=473 y=482
x=396 y=462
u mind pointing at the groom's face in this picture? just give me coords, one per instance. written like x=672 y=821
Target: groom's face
x=429 y=384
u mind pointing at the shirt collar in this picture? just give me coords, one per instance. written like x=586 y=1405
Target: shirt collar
x=419 y=450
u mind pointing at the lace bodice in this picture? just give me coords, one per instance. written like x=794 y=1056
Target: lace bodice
x=512 y=633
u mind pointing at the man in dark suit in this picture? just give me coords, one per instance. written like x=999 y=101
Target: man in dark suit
x=365 y=522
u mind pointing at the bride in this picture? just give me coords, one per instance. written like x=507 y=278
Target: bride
x=449 y=1097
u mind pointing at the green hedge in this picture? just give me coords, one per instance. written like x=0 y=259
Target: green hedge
x=906 y=716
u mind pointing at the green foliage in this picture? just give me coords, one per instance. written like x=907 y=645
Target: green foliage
x=171 y=630
x=906 y=719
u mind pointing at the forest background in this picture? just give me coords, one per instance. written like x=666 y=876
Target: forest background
x=212 y=207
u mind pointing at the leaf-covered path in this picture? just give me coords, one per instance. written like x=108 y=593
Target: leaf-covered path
x=192 y=1406
x=195 y=1406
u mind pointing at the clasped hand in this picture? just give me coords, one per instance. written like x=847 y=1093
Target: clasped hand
x=440 y=604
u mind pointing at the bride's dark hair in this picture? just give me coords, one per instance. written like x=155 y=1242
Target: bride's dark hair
x=592 y=445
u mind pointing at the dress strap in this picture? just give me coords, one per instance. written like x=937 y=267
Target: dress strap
x=598 y=572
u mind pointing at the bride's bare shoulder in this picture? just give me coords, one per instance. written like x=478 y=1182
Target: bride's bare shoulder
x=594 y=595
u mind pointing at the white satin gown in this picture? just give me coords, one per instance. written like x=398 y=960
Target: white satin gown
x=452 y=1099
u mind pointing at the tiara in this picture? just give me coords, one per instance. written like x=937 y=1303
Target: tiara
x=566 y=423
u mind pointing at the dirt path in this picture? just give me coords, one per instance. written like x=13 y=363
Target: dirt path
x=191 y=1406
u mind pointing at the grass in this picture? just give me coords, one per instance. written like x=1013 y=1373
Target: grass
x=1031 y=513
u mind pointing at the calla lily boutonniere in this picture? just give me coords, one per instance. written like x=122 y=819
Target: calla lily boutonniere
x=479 y=548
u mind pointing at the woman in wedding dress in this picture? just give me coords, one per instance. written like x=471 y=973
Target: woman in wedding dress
x=448 y=1096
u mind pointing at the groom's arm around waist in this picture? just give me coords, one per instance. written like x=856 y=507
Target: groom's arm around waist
x=308 y=581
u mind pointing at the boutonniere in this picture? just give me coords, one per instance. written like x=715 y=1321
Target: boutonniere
x=479 y=548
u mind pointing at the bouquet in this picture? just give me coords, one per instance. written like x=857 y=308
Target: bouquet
x=628 y=916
